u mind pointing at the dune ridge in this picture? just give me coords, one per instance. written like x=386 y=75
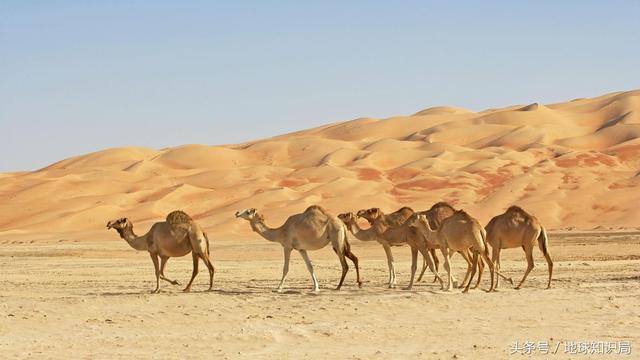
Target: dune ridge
x=574 y=164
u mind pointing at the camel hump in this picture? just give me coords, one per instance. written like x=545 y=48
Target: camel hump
x=405 y=209
x=178 y=217
x=518 y=212
x=442 y=204
x=316 y=208
x=516 y=209
x=463 y=214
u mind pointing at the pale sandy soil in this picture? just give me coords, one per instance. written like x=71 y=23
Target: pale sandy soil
x=90 y=299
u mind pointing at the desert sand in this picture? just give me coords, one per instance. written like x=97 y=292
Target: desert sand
x=90 y=299
x=70 y=288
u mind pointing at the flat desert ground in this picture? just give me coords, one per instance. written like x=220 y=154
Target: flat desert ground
x=71 y=289
x=91 y=299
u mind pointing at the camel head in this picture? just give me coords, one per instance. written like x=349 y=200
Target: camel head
x=370 y=214
x=249 y=214
x=347 y=218
x=118 y=224
x=420 y=221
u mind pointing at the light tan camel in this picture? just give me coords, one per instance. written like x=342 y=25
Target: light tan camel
x=400 y=235
x=311 y=230
x=459 y=232
x=175 y=237
x=394 y=219
x=436 y=214
x=517 y=228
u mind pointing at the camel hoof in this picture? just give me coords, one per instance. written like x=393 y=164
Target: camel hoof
x=278 y=290
x=517 y=287
x=186 y=290
x=338 y=288
x=156 y=291
x=407 y=288
x=175 y=282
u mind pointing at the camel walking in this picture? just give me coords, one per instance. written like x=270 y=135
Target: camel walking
x=459 y=232
x=436 y=214
x=394 y=235
x=178 y=236
x=517 y=228
x=311 y=230
x=394 y=219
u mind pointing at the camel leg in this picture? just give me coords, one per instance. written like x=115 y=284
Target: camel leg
x=492 y=269
x=392 y=270
x=154 y=258
x=495 y=259
x=194 y=272
x=480 y=270
x=550 y=265
x=307 y=261
x=447 y=266
x=354 y=259
x=210 y=267
x=414 y=266
x=496 y=268
x=285 y=268
x=436 y=263
x=467 y=257
x=530 y=265
x=427 y=257
x=345 y=267
x=424 y=268
x=163 y=263
x=473 y=271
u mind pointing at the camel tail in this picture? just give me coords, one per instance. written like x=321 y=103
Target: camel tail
x=543 y=241
x=206 y=238
x=483 y=234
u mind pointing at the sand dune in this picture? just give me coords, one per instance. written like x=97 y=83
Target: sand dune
x=573 y=164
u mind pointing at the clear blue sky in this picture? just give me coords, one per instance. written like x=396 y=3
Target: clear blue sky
x=80 y=76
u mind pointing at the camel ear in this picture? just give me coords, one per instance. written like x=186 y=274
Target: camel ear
x=252 y=211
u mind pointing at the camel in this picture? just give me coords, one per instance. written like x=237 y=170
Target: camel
x=436 y=214
x=394 y=235
x=398 y=218
x=311 y=230
x=459 y=232
x=394 y=219
x=517 y=228
x=175 y=237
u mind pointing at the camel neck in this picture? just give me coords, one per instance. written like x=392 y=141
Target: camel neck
x=136 y=242
x=265 y=231
x=379 y=226
x=359 y=233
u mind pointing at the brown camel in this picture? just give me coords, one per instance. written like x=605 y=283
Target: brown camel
x=517 y=228
x=436 y=214
x=175 y=237
x=459 y=232
x=311 y=230
x=400 y=235
x=394 y=219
